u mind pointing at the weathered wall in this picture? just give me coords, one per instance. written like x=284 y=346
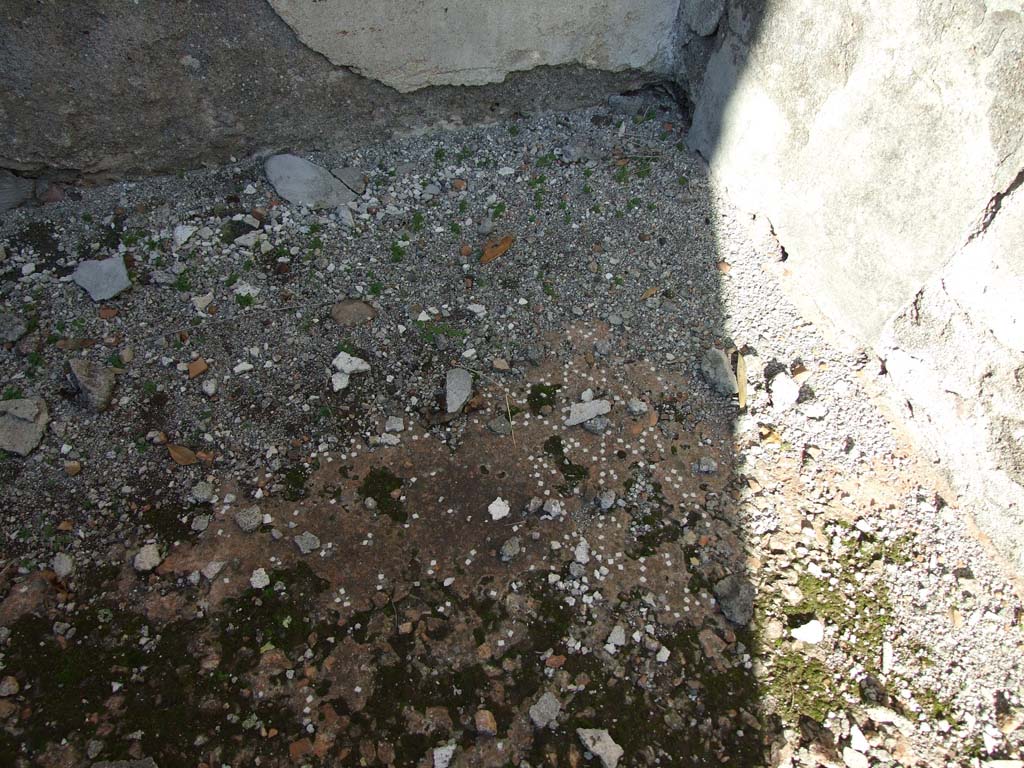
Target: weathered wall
x=107 y=87
x=468 y=42
x=881 y=139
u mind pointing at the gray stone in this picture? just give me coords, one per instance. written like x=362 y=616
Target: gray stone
x=606 y=500
x=510 y=549
x=736 y=596
x=95 y=383
x=717 y=371
x=353 y=178
x=147 y=558
x=63 y=565
x=200 y=523
x=307 y=542
x=300 y=182
x=249 y=519
x=349 y=313
x=202 y=492
x=394 y=424
x=702 y=16
x=443 y=755
x=581 y=412
x=617 y=637
x=636 y=407
x=102 y=279
x=22 y=424
x=11 y=327
x=471 y=43
x=14 y=190
x=545 y=711
x=458 y=389
x=597 y=426
x=500 y=425
x=598 y=742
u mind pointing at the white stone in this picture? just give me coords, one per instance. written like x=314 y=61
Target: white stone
x=580 y=412
x=104 y=279
x=598 y=742
x=347 y=363
x=147 y=558
x=784 y=392
x=183 y=233
x=300 y=182
x=812 y=633
x=259 y=579
x=498 y=509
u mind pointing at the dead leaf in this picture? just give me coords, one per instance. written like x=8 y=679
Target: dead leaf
x=108 y=313
x=465 y=250
x=495 y=248
x=741 y=379
x=182 y=455
x=649 y=292
x=769 y=435
x=724 y=267
x=197 y=368
x=458 y=184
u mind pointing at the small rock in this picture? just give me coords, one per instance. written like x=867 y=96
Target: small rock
x=500 y=364
x=498 y=508
x=458 y=388
x=22 y=424
x=736 y=596
x=554 y=507
x=606 y=500
x=500 y=425
x=72 y=468
x=11 y=327
x=581 y=412
x=9 y=686
x=307 y=542
x=147 y=558
x=63 y=565
x=443 y=755
x=784 y=392
x=705 y=466
x=200 y=523
x=350 y=364
x=104 y=279
x=581 y=552
x=854 y=759
x=812 y=633
x=259 y=579
x=510 y=549
x=394 y=424
x=300 y=182
x=636 y=407
x=597 y=426
x=546 y=710
x=201 y=493
x=617 y=636
x=485 y=723
x=248 y=519
x=717 y=370
x=209 y=387
x=183 y=233
x=599 y=743
x=352 y=312
x=95 y=383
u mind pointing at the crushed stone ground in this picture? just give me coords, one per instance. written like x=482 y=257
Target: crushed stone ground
x=235 y=564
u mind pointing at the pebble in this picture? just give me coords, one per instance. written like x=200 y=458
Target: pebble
x=636 y=407
x=249 y=519
x=498 y=509
x=301 y=182
x=202 y=492
x=485 y=723
x=545 y=711
x=95 y=383
x=443 y=755
x=259 y=579
x=500 y=425
x=147 y=558
x=307 y=542
x=394 y=424
x=510 y=549
x=784 y=391
x=812 y=633
x=735 y=594
x=581 y=412
x=11 y=327
x=581 y=552
x=63 y=565
x=9 y=686
x=350 y=313
x=717 y=370
x=599 y=743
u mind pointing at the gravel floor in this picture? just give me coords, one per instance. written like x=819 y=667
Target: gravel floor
x=454 y=476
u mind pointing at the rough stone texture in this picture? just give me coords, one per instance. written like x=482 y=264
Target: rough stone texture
x=301 y=182
x=102 y=279
x=22 y=424
x=956 y=352
x=467 y=42
x=872 y=144
x=95 y=383
x=885 y=149
x=137 y=88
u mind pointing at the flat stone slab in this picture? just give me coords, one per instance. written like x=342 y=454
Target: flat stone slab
x=22 y=424
x=12 y=327
x=351 y=312
x=301 y=182
x=598 y=742
x=581 y=412
x=103 y=279
x=458 y=388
